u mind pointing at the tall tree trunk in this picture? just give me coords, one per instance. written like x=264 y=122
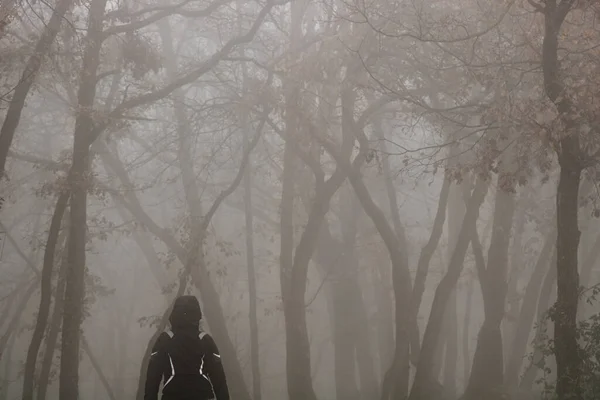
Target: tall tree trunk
x=487 y=374
x=568 y=359
x=510 y=323
x=79 y=182
x=254 y=349
x=54 y=328
x=456 y=212
x=249 y=214
x=45 y=297
x=527 y=313
x=423 y=384
x=17 y=103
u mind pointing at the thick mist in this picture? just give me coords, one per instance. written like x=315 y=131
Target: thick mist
x=371 y=200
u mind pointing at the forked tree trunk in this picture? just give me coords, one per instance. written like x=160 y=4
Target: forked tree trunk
x=45 y=297
x=423 y=384
x=487 y=374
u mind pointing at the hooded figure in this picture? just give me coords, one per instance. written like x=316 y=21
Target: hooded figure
x=186 y=358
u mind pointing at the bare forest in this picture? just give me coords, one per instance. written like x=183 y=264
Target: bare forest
x=372 y=200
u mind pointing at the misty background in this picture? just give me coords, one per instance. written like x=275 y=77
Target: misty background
x=363 y=195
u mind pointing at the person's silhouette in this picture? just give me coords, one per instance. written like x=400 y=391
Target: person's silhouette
x=186 y=358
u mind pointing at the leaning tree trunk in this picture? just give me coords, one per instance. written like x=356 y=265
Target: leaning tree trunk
x=45 y=297
x=423 y=383
x=17 y=103
x=487 y=373
x=527 y=312
x=79 y=182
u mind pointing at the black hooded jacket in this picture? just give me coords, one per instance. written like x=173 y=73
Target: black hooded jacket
x=186 y=358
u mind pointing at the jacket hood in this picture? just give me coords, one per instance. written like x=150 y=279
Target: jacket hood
x=186 y=313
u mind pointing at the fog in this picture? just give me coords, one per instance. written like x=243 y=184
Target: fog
x=370 y=200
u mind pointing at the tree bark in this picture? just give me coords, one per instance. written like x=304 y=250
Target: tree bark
x=423 y=383
x=17 y=103
x=78 y=182
x=45 y=297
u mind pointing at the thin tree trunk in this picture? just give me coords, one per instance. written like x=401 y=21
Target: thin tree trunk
x=55 y=325
x=466 y=338
x=527 y=313
x=17 y=103
x=422 y=387
x=252 y=307
x=78 y=182
x=14 y=321
x=249 y=214
x=45 y=298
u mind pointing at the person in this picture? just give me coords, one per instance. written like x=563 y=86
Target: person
x=186 y=359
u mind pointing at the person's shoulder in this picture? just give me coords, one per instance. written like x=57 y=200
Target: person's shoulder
x=206 y=338
x=164 y=337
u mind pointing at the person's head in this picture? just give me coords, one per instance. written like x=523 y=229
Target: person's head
x=186 y=313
